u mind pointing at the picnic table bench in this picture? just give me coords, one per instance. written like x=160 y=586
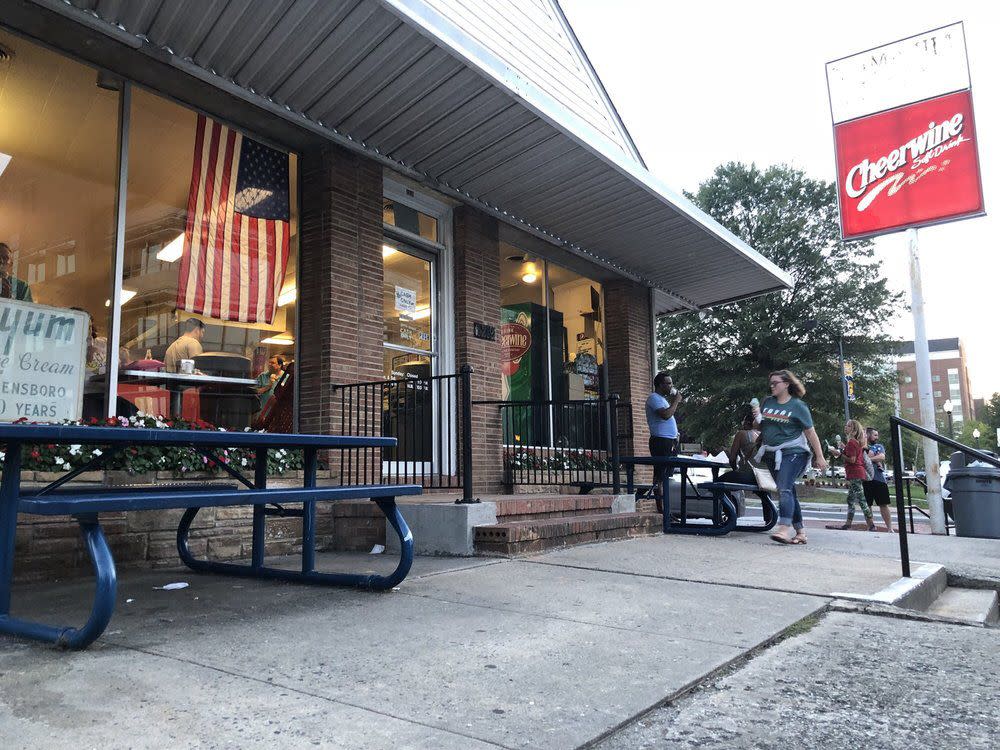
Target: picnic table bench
x=724 y=513
x=85 y=506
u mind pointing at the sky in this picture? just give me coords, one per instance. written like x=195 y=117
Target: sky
x=700 y=84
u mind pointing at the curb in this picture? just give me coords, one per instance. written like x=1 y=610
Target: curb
x=917 y=592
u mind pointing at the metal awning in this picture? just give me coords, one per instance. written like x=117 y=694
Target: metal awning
x=402 y=82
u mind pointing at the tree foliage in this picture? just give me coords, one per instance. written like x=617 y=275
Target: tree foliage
x=720 y=359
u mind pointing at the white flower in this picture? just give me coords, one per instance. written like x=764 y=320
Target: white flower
x=59 y=461
x=98 y=452
x=74 y=450
x=140 y=413
x=246 y=429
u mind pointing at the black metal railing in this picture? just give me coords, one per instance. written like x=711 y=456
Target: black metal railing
x=431 y=419
x=911 y=507
x=563 y=443
x=895 y=426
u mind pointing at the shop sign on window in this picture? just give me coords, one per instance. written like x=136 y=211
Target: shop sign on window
x=406 y=300
x=42 y=361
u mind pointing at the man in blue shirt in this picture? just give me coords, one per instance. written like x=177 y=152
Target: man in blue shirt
x=876 y=488
x=663 y=435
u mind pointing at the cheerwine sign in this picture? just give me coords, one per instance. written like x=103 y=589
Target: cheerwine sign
x=910 y=166
x=515 y=340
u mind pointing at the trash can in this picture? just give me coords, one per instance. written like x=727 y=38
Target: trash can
x=975 y=498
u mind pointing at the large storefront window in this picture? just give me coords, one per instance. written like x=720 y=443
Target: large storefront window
x=552 y=351
x=205 y=318
x=58 y=155
x=578 y=373
x=524 y=332
x=204 y=310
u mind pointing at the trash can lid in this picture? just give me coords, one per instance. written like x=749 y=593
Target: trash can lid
x=980 y=471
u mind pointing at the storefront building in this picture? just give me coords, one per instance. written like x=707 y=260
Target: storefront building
x=368 y=190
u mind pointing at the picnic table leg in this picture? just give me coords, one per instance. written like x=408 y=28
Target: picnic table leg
x=395 y=518
x=361 y=580
x=106 y=587
x=309 y=514
x=10 y=488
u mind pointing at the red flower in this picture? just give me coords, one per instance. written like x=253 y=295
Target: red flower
x=133 y=451
x=111 y=421
x=93 y=420
x=36 y=455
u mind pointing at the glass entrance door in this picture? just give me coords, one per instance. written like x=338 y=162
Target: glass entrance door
x=409 y=356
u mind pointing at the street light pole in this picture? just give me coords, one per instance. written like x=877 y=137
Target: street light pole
x=948 y=407
x=813 y=323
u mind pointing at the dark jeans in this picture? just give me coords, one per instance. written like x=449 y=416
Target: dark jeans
x=661 y=446
x=792 y=467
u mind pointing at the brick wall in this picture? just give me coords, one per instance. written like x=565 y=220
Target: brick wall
x=340 y=281
x=477 y=298
x=626 y=311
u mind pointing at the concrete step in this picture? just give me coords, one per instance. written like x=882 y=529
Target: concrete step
x=529 y=508
x=978 y=606
x=538 y=535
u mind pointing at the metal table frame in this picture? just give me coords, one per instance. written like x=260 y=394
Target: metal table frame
x=85 y=505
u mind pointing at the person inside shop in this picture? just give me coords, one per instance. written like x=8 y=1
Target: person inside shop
x=663 y=434
x=11 y=287
x=187 y=345
x=268 y=379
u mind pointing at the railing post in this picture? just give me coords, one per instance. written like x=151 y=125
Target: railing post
x=897 y=475
x=616 y=484
x=465 y=381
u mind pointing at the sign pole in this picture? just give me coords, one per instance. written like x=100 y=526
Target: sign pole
x=924 y=387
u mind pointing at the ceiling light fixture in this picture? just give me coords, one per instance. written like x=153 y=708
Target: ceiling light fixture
x=530 y=277
x=173 y=250
x=287 y=297
x=4 y=161
x=388 y=250
x=420 y=313
x=282 y=339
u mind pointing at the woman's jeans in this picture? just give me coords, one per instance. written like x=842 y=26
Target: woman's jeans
x=793 y=466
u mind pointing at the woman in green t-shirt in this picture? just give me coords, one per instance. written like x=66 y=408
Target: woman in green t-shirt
x=788 y=439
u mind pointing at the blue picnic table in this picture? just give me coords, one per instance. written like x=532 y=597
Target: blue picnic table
x=85 y=505
x=724 y=514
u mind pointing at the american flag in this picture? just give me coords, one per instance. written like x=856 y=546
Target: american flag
x=236 y=239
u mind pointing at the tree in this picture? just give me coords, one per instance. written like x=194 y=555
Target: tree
x=721 y=358
x=991 y=419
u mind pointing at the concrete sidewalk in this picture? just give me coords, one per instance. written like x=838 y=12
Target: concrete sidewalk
x=552 y=651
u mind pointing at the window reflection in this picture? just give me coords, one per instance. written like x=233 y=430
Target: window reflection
x=58 y=156
x=201 y=364
x=410 y=219
x=406 y=298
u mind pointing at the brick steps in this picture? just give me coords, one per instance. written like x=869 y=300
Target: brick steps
x=537 y=535
x=513 y=509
